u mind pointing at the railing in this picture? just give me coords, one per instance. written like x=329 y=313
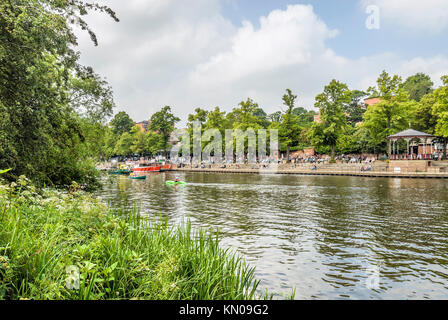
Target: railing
x=411 y=157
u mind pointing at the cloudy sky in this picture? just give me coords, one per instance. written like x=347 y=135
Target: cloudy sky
x=207 y=53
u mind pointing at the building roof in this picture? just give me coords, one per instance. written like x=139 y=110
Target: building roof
x=372 y=101
x=410 y=133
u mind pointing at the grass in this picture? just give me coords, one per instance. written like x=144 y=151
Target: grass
x=44 y=234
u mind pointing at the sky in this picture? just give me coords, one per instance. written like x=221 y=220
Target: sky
x=207 y=53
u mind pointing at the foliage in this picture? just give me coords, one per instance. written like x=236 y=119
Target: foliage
x=290 y=129
x=44 y=92
x=305 y=117
x=164 y=122
x=393 y=113
x=418 y=85
x=333 y=122
x=124 y=144
x=354 y=110
x=119 y=254
x=121 y=123
x=275 y=117
x=440 y=108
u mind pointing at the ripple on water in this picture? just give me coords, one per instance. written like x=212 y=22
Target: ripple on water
x=325 y=236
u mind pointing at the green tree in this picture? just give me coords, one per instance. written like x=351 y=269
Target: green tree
x=163 y=122
x=199 y=116
x=305 y=117
x=121 y=123
x=290 y=129
x=440 y=109
x=139 y=140
x=354 y=110
x=333 y=122
x=124 y=144
x=41 y=133
x=418 y=85
x=262 y=117
x=154 y=143
x=275 y=117
x=392 y=114
x=424 y=118
x=244 y=117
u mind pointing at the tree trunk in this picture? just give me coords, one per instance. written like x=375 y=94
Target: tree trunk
x=333 y=151
x=287 y=154
x=444 y=149
x=388 y=141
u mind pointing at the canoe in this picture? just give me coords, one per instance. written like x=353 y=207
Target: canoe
x=147 y=169
x=119 y=172
x=175 y=182
x=137 y=177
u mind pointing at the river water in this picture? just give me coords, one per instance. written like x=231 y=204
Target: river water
x=327 y=237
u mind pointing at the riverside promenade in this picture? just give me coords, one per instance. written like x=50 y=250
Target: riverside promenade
x=414 y=170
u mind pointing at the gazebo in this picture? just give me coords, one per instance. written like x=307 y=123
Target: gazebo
x=419 y=145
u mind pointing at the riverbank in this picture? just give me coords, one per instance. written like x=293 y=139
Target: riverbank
x=381 y=169
x=48 y=237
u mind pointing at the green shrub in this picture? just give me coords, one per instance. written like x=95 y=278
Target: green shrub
x=119 y=254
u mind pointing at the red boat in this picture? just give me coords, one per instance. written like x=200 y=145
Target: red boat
x=148 y=169
x=167 y=167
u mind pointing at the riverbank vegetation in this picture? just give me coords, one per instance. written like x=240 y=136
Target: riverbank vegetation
x=119 y=254
x=51 y=106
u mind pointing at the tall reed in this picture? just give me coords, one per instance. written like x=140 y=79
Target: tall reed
x=119 y=254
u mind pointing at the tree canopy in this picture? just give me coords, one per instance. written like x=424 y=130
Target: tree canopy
x=44 y=91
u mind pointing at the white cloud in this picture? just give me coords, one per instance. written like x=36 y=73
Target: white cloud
x=187 y=55
x=423 y=15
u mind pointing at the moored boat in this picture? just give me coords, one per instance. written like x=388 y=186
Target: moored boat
x=119 y=172
x=154 y=168
x=137 y=177
x=167 y=167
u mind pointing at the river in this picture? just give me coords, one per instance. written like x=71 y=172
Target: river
x=327 y=237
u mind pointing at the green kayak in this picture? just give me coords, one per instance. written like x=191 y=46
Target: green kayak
x=119 y=172
x=137 y=177
x=171 y=183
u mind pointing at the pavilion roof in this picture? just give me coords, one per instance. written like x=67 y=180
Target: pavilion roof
x=411 y=133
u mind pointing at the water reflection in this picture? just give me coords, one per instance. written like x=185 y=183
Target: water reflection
x=322 y=235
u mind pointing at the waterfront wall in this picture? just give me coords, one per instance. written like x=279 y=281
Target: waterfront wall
x=409 y=169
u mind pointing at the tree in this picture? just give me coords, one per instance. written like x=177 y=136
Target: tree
x=275 y=117
x=418 y=85
x=354 y=110
x=244 y=117
x=262 y=117
x=440 y=109
x=393 y=113
x=163 y=122
x=290 y=130
x=124 y=143
x=305 y=117
x=154 y=143
x=199 y=115
x=333 y=119
x=121 y=123
x=139 y=142
x=424 y=118
x=41 y=133
x=91 y=96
